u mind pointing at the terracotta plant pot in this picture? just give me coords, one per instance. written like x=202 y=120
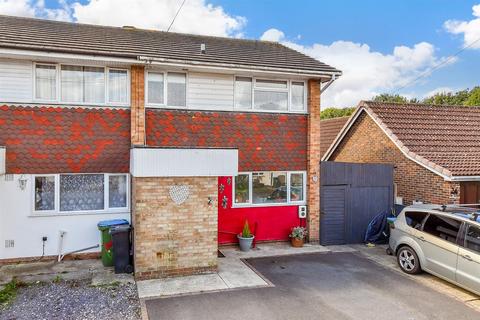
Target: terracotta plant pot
x=297 y=243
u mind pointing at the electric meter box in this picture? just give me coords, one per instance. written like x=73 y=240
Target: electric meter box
x=302 y=212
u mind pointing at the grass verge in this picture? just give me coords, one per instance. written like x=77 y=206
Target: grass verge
x=8 y=293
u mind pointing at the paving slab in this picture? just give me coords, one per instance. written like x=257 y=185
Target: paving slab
x=271 y=250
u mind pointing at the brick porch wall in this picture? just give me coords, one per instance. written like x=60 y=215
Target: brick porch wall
x=366 y=142
x=173 y=239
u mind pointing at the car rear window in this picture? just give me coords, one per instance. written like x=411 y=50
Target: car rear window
x=415 y=219
x=442 y=227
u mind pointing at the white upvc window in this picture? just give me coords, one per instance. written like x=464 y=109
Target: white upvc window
x=269 y=95
x=269 y=188
x=83 y=85
x=166 y=89
x=80 y=193
x=45 y=86
x=118 y=86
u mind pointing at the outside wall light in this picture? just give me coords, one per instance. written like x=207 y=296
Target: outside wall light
x=22 y=182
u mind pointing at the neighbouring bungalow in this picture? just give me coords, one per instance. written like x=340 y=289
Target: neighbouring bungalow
x=185 y=136
x=435 y=149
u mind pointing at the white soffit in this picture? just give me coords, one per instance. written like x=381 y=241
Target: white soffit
x=170 y=162
x=2 y=160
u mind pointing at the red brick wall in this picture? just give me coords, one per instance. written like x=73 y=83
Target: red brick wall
x=366 y=142
x=265 y=141
x=65 y=140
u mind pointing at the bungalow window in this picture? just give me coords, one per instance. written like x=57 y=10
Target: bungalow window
x=269 y=188
x=83 y=84
x=45 y=82
x=67 y=193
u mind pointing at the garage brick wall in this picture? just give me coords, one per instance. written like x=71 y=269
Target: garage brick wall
x=366 y=142
x=174 y=239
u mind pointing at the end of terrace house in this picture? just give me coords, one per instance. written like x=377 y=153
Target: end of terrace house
x=185 y=136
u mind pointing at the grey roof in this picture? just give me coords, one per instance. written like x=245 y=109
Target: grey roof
x=55 y=36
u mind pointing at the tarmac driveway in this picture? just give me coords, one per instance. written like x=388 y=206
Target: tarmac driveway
x=318 y=286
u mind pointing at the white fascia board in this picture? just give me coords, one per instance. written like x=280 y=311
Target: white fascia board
x=181 y=162
x=2 y=160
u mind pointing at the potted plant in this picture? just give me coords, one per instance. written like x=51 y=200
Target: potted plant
x=245 y=238
x=297 y=236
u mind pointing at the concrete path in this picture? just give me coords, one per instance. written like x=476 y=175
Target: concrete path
x=318 y=286
x=45 y=271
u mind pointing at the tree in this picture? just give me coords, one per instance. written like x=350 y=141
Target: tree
x=386 y=97
x=332 y=112
x=474 y=98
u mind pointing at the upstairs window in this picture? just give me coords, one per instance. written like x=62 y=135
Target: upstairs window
x=269 y=95
x=81 y=84
x=117 y=86
x=45 y=82
x=243 y=93
x=298 y=96
x=168 y=89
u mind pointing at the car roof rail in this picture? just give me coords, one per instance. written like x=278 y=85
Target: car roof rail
x=470 y=210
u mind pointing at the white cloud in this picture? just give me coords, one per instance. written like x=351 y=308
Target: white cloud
x=469 y=29
x=22 y=8
x=367 y=73
x=272 y=35
x=438 y=90
x=196 y=16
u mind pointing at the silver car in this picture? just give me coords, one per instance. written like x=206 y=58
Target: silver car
x=441 y=240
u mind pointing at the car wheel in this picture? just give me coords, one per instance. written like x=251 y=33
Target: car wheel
x=408 y=260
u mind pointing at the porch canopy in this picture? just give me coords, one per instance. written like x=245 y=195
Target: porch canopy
x=183 y=162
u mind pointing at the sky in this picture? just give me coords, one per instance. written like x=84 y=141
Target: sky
x=407 y=47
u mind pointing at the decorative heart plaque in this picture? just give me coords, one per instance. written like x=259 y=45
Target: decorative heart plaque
x=179 y=194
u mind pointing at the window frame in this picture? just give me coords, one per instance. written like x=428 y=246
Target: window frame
x=165 y=104
x=439 y=216
x=106 y=208
x=58 y=82
x=250 y=191
x=288 y=90
x=462 y=241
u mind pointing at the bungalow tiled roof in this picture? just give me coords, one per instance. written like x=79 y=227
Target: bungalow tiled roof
x=132 y=43
x=445 y=139
x=329 y=130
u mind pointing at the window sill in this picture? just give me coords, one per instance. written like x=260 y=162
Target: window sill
x=79 y=104
x=93 y=213
x=266 y=205
x=150 y=106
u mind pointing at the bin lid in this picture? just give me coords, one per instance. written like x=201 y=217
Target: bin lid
x=113 y=222
x=119 y=229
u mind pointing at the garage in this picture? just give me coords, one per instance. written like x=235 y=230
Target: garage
x=352 y=194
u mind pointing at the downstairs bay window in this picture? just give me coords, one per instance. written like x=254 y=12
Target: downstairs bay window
x=81 y=193
x=268 y=188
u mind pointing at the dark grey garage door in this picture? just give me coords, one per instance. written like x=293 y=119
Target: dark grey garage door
x=351 y=195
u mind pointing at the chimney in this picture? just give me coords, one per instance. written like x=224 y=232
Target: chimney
x=203 y=48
